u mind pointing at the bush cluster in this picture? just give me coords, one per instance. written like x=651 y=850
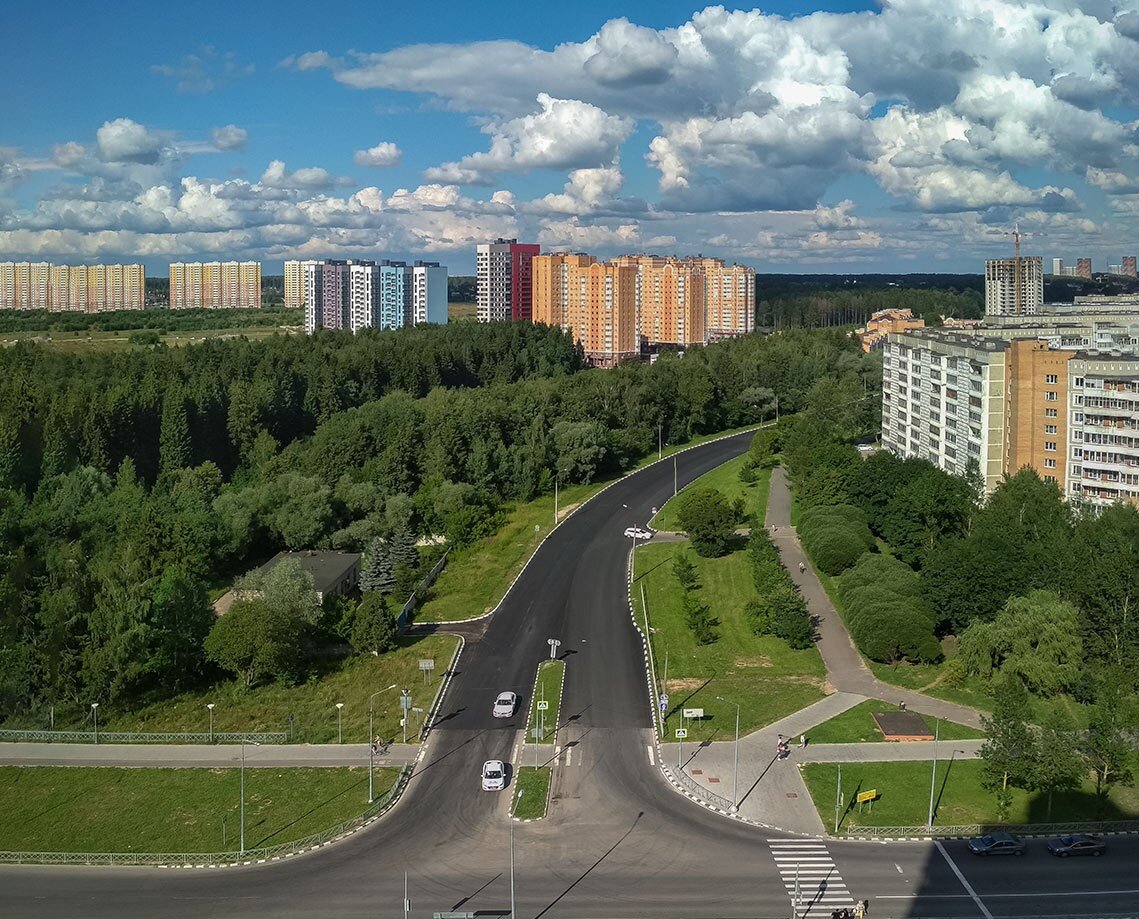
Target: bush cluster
x=835 y=535
x=779 y=610
x=886 y=613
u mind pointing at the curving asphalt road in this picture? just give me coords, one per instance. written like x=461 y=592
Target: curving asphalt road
x=618 y=841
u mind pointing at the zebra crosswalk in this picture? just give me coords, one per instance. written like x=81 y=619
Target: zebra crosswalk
x=811 y=877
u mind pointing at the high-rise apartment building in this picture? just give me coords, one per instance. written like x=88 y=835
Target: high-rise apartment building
x=1128 y=266
x=1084 y=268
x=360 y=294
x=595 y=301
x=1014 y=396
x=426 y=291
x=24 y=285
x=1004 y=277
x=669 y=299
x=215 y=285
x=1057 y=267
x=504 y=280
x=729 y=298
x=96 y=288
x=294 y=283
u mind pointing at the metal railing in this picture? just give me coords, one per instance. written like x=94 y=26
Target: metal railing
x=212 y=859
x=681 y=778
x=407 y=612
x=112 y=737
x=980 y=829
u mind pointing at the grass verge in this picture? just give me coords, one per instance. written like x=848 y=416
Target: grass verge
x=761 y=673
x=531 y=791
x=856 y=725
x=726 y=479
x=307 y=712
x=62 y=809
x=958 y=796
x=476 y=578
x=547 y=689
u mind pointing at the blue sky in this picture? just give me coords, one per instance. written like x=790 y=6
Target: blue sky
x=794 y=137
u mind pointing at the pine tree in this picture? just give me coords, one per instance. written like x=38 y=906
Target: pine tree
x=403 y=551
x=377 y=571
x=174 y=435
x=374 y=629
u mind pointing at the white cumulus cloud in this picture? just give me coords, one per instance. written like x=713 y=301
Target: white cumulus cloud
x=384 y=153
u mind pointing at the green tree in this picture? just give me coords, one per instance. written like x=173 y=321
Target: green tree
x=1108 y=748
x=1057 y=764
x=709 y=520
x=180 y=618
x=685 y=571
x=376 y=573
x=374 y=628
x=1009 y=751
x=256 y=640
x=174 y=435
x=581 y=447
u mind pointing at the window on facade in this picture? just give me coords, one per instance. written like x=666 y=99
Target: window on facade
x=1050 y=379
x=1049 y=464
x=1079 y=381
x=1049 y=429
x=1050 y=446
x=1050 y=396
x=1049 y=478
x=1049 y=413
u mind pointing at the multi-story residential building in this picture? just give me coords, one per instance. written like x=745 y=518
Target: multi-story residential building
x=670 y=300
x=1127 y=268
x=504 y=280
x=294 y=283
x=391 y=305
x=359 y=294
x=1057 y=267
x=96 y=288
x=328 y=293
x=215 y=285
x=729 y=298
x=1084 y=268
x=1006 y=399
x=883 y=323
x=425 y=287
x=595 y=301
x=1014 y=286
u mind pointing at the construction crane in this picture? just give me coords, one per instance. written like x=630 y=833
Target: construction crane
x=1018 y=280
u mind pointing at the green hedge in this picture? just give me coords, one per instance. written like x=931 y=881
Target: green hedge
x=835 y=535
x=886 y=615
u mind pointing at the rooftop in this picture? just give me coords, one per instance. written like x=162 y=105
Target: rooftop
x=327 y=568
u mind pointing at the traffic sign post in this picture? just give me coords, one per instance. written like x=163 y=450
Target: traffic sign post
x=543 y=705
x=405 y=704
x=427 y=665
x=553 y=643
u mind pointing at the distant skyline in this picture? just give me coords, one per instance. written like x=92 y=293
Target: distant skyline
x=816 y=137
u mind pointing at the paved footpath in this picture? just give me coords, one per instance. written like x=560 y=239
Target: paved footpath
x=200 y=755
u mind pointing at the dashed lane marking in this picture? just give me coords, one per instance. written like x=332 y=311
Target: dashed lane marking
x=652 y=756
x=821 y=887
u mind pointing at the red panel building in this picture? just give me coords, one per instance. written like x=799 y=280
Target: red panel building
x=521 y=280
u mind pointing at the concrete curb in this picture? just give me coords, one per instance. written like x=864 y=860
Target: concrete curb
x=526 y=734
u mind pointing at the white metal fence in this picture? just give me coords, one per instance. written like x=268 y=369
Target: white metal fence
x=112 y=737
x=980 y=829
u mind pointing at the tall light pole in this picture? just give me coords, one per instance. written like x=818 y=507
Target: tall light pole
x=340 y=722
x=513 y=914
x=736 y=758
x=933 y=774
x=405 y=707
x=372 y=739
x=555 y=498
x=256 y=744
x=210 y=706
x=95 y=715
x=660 y=442
x=674 y=488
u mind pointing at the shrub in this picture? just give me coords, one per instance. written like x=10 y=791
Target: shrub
x=893 y=633
x=709 y=519
x=836 y=536
x=885 y=612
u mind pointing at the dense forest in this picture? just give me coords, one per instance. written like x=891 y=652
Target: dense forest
x=134 y=482
x=158 y=320
x=853 y=305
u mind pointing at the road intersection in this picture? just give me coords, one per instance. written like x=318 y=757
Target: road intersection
x=618 y=841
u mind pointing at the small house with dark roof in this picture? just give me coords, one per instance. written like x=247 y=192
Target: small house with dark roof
x=334 y=574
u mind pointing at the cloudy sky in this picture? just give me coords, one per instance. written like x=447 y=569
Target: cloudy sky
x=832 y=135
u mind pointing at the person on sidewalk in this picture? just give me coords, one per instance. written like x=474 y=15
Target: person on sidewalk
x=803 y=741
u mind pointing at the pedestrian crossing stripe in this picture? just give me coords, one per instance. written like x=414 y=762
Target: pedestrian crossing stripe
x=821 y=888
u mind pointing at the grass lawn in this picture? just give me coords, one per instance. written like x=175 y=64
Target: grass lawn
x=959 y=797
x=87 y=341
x=457 y=311
x=63 y=809
x=548 y=688
x=857 y=726
x=307 y=712
x=725 y=478
x=761 y=673
x=531 y=789
x=476 y=578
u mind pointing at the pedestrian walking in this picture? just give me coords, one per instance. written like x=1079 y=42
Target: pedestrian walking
x=803 y=741
x=859 y=910
x=902 y=705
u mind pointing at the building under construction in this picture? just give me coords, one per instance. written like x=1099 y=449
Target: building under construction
x=1014 y=286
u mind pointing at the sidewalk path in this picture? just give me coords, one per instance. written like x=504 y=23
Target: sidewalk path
x=200 y=755
x=846 y=670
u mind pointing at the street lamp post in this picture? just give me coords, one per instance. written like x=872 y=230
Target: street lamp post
x=735 y=758
x=339 y=722
x=372 y=739
x=95 y=715
x=933 y=774
x=555 y=498
x=513 y=914
x=405 y=707
x=210 y=706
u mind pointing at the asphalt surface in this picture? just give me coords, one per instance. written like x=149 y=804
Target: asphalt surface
x=618 y=841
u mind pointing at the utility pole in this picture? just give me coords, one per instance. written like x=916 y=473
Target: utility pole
x=660 y=443
x=95 y=715
x=555 y=499
x=674 y=488
x=513 y=913
x=933 y=774
x=838 y=800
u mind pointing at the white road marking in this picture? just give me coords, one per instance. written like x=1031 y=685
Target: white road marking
x=1005 y=896
x=652 y=755
x=964 y=883
x=899 y=867
x=821 y=887
x=569 y=756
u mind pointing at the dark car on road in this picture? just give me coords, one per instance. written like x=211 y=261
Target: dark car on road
x=996 y=844
x=1076 y=844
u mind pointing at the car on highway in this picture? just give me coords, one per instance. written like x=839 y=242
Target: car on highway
x=996 y=844
x=1076 y=844
x=638 y=533
x=493 y=775
x=504 y=704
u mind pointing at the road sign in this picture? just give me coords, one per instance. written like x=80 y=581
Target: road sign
x=664 y=700
x=681 y=733
x=405 y=700
x=417 y=710
x=536 y=733
x=693 y=713
x=654 y=511
x=543 y=705
x=427 y=664
x=553 y=643
x=864 y=796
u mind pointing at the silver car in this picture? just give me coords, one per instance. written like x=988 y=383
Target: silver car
x=504 y=704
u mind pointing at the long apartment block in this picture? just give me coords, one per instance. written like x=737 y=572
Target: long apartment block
x=996 y=400
x=363 y=294
x=71 y=288
x=215 y=285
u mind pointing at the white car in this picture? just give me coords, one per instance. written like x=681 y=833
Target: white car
x=638 y=533
x=504 y=705
x=629 y=531
x=493 y=775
